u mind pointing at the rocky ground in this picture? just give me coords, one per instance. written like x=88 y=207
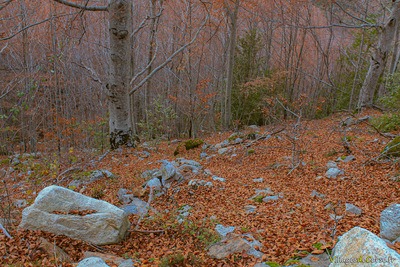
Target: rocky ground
x=294 y=188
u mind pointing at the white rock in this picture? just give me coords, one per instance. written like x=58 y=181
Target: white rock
x=108 y=225
x=359 y=247
x=92 y=262
x=390 y=222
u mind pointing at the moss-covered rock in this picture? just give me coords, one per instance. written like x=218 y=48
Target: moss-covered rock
x=189 y=144
x=193 y=143
x=392 y=149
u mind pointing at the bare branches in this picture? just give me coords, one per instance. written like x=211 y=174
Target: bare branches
x=171 y=57
x=83 y=7
x=5 y=231
x=5 y=3
x=25 y=28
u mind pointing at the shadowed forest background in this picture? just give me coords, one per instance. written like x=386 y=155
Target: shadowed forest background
x=243 y=63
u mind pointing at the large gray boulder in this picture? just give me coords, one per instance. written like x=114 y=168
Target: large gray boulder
x=390 y=222
x=51 y=212
x=360 y=247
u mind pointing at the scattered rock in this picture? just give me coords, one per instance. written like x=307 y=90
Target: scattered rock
x=270 y=198
x=183 y=213
x=197 y=183
x=390 y=223
x=229 y=245
x=94 y=176
x=254 y=128
x=238 y=141
x=20 y=203
x=222 y=144
x=203 y=155
x=335 y=217
x=155 y=183
x=223 y=231
x=169 y=173
x=350 y=208
x=149 y=174
x=331 y=164
x=314 y=193
x=144 y=154
x=234 y=243
x=99 y=174
x=261 y=264
x=219 y=179
x=54 y=251
x=263 y=192
x=124 y=196
x=107 y=225
x=15 y=161
x=361 y=246
x=250 y=208
x=333 y=172
x=258 y=180
x=92 y=262
x=321 y=260
x=222 y=151
x=109 y=258
x=136 y=206
x=347 y=158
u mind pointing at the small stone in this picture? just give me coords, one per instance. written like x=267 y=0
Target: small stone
x=314 y=193
x=250 y=208
x=238 y=141
x=203 y=155
x=223 y=231
x=20 y=203
x=15 y=161
x=219 y=179
x=353 y=209
x=155 y=183
x=335 y=217
x=333 y=172
x=270 y=198
x=222 y=151
x=349 y=158
x=390 y=222
x=331 y=164
x=92 y=262
x=258 y=180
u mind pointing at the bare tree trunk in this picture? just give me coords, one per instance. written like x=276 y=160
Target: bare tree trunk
x=120 y=22
x=379 y=58
x=233 y=16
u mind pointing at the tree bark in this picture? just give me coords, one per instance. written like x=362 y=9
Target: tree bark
x=233 y=16
x=120 y=27
x=379 y=58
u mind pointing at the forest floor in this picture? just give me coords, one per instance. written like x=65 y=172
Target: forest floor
x=285 y=227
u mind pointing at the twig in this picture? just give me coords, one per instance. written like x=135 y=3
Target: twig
x=147 y=231
x=72 y=169
x=103 y=156
x=5 y=231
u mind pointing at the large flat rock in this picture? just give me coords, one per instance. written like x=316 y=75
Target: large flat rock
x=51 y=212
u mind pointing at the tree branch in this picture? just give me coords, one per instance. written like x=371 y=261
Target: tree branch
x=5 y=3
x=83 y=7
x=170 y=58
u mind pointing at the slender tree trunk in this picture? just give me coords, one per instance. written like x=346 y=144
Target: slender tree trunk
x=120 y=14
x=233 y=16
x=379 y=58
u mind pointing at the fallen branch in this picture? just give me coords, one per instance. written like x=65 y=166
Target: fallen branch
x=147 y=231
x=5 y=231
